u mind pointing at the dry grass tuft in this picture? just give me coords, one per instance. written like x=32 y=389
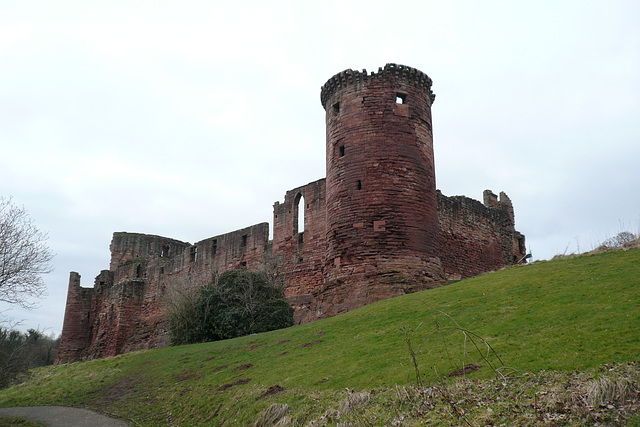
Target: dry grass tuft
x=605 y=390
x=353 y=400
x=274 y=414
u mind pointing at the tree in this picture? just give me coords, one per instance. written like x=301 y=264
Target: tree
x=21 y=351
x=24 y=256
x=237 y=303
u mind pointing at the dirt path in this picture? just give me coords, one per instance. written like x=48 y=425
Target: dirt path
x=62 y=416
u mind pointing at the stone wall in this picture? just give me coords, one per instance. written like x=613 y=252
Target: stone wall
x=475 y=237
x=124 y=311
x=300 y=254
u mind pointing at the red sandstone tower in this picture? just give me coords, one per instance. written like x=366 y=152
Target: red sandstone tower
x=381 y=201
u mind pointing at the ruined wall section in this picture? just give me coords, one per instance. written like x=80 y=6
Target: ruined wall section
x=129 y=246
x=116 y=311
x=77 y=321
x=299 y=255
x=183 y=266
x=476 y=238
x=241 y=248
x=124 y=311
x=138 y=261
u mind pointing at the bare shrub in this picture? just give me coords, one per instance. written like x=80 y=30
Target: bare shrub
x=180 y=300
x=619 y=240
x=622 y=240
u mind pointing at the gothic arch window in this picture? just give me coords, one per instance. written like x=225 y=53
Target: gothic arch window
x=298 y=214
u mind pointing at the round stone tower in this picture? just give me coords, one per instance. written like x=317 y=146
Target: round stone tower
x=382 y=218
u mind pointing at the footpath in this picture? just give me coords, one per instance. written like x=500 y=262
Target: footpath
x=62 y=416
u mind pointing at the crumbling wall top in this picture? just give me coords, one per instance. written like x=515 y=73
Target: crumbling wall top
x=401 y=72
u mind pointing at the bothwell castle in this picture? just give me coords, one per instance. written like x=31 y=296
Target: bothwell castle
x=374 y=228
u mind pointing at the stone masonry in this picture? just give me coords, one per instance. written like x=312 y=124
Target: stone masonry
x=375 y=228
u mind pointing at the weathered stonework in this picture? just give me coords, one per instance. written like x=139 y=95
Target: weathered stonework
x=376 y=227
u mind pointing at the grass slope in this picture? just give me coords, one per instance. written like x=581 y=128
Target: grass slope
x=564 y=315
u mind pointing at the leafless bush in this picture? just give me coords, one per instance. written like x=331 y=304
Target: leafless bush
x=274 y=270
x=180 y=299
x=619 y=240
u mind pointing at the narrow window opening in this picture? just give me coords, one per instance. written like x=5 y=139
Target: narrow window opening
x=521 y=247
x=165 y=250
x=214 y=247
x=193 y=252
x=139 y=271
x=336 y=107
x=298 y=214
x=161 y=270
x=359 y=185
x=400 y=98
x=341 y=148
x=243 y=244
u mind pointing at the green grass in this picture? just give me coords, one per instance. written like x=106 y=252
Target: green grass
x=565 y=315
x=13 y=421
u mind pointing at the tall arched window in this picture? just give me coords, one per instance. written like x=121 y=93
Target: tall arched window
x=298 y=214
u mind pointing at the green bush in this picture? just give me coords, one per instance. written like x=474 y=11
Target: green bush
x=237 y=303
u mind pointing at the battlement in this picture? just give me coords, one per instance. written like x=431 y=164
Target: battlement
x=408 y=75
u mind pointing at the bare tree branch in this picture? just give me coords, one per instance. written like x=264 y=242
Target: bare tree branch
x=24 y=256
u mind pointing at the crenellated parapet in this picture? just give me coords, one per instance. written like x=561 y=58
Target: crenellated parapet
x=402 y=73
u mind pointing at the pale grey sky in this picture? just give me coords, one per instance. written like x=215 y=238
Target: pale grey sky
x=190 y=119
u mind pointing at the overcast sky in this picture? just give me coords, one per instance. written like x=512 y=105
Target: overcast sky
x=190 y=119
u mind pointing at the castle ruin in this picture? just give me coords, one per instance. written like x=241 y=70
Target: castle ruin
x=374 y=228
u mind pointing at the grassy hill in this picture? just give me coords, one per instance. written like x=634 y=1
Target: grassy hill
x=541 y=322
